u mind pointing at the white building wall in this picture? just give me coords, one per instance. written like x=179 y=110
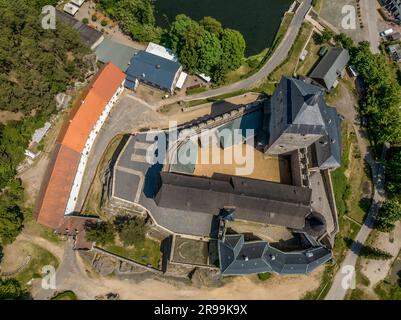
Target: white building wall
x=72 y=201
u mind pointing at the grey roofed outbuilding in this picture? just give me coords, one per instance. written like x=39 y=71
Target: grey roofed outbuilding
x=238 y=257
x=254 y=200
x=117 y=53
x=155 y=70
x=89 y=36
x=331 y=67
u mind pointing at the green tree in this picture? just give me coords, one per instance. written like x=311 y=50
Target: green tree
x=102 y=233
x=326 y=36
x=345 y=41
x=212 y=25
x=210 y=52
x=372 y=253
x=233 y=46
x=132 y=231
x=136 y=18
x=388 y=215
x=177 y=36
x=10 y=289
x=393 y=172
x=381 y=100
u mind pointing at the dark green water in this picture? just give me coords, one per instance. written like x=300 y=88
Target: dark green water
x=257 y=20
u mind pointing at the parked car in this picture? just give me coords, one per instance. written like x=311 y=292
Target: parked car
x=386 y=32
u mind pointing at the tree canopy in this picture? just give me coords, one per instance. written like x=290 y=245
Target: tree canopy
x=132 y=231
x=10 y=289
x=35 y=64
x=136 y=18
x=204 y=46
x=102 y=234
x=381 y=100
x=388 y=215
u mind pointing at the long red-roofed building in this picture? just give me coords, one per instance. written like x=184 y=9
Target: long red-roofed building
x=62 y=182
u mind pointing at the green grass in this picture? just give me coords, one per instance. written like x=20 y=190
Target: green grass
x=289 y=65
x=340 y=181
x=356 y=294
x=387 y=291
x=217 y=98
x=147 y=252
x=306 y=66
x=317 y=5
x=40 y=258
x=66 y=295
x=192 y=91
x=33 y=228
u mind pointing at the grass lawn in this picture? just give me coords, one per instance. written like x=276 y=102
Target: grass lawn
x=31 y=227
x=317 y=5
x=388 y=291
x=92 y=204
x=289 y=66
x=306 y=66
x=66 y=295
x=147 y=252
x=347 y=194
x=40 y=258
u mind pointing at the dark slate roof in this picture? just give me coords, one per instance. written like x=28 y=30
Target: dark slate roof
x=304 y=111
x=243 y=257
x=88 y=35
x=331 y=66
x=254 y=200
x=238 y=257
x=328 y=148
x=151 y=68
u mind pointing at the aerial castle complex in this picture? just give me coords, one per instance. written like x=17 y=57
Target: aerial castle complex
x=281 y=217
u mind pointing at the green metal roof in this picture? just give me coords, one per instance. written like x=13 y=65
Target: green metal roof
x=117 y=53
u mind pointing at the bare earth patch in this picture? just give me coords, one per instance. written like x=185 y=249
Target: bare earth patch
x=377 y=270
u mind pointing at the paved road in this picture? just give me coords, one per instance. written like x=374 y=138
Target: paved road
x=275 y=60
x=370 y=16
x=338 y=290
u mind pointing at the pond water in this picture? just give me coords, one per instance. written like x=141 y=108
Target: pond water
x=257 y=20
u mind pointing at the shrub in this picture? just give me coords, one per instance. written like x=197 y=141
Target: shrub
x=103 y=23
x=94 y=17
x=132 y=231
x=264 y=276
x=85 y=20
x=100 y=233
x=10 y=289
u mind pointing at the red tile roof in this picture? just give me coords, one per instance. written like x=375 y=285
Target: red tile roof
x=91 y=106
x=55 y=194
x=57 y=185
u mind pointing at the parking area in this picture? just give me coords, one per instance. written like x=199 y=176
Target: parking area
x=332 y=12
